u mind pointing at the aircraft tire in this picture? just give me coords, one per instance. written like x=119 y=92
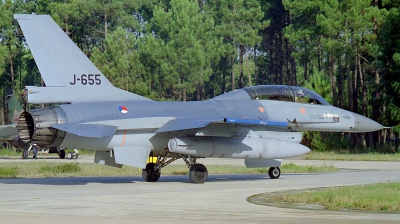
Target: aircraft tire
x=150 y=174
x=25 y=154
x=274 y=172
x=69 y=155
x=198 y=173
x=61 y=154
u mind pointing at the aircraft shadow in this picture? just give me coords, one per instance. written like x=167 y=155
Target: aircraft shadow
x=132 y=179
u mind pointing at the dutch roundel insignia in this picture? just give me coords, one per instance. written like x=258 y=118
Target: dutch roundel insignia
x=123 y=109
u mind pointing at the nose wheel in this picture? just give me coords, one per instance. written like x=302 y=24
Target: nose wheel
x=274 y=172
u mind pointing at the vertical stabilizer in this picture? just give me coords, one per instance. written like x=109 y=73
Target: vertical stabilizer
x=69 y=75
x=60 y=61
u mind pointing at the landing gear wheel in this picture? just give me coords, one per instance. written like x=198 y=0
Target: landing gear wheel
x=69 y=155
x=25 y=154
x=62 y=154
x=150 y=173
x=274 y=172
x=198 y=173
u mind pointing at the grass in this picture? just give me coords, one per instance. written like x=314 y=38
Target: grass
x=8 y=172
x=13 y=152
x=353 y=157
x=37 y=169
x=374 y=197
x=62 y=168
x=9 y=152
x=293 y=168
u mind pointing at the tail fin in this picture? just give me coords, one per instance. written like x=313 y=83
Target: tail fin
x=60 y=61
x=62 y=64
x=14 y=108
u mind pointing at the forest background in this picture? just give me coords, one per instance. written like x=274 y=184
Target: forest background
x=348 y=51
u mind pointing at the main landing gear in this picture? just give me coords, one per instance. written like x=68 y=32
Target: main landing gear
x=197 y=172
x=151 y=173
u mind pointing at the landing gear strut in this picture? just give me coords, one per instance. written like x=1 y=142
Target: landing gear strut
x=197 y=172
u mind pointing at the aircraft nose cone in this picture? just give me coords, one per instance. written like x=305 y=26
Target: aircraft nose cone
x=364 y=124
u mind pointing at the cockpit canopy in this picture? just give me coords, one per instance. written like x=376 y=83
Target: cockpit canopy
x=285 y=93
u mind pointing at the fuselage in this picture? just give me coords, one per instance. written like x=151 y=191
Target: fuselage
x=137 y=122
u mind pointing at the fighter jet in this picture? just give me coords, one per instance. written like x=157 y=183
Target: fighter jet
x=258 y=124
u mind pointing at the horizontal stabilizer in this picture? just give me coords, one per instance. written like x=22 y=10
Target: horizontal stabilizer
x=68 y=94
x=87 y=130
x=132 y=156
x=185 y=124
x=8 y=130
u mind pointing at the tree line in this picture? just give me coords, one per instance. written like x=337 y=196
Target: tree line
x=348 y=51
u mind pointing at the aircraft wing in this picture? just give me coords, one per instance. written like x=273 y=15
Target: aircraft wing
x=87 y=130
x=193 y=123
x=185 y=124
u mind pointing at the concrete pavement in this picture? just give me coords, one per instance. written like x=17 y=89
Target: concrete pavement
x=173 y=199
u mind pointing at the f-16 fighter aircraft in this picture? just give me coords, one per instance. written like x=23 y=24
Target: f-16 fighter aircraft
x=257 y=124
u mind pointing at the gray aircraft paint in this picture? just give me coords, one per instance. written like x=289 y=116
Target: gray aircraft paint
x=58 y=62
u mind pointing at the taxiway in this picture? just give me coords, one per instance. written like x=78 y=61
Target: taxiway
x=174 y=199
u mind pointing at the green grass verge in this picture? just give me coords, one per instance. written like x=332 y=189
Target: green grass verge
x=293 y=168
x=8 y=172
x=33 y=169
x=353 y=157
x=12 y=152
x=374 y=197
x=62 y=168
x=9 y=152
